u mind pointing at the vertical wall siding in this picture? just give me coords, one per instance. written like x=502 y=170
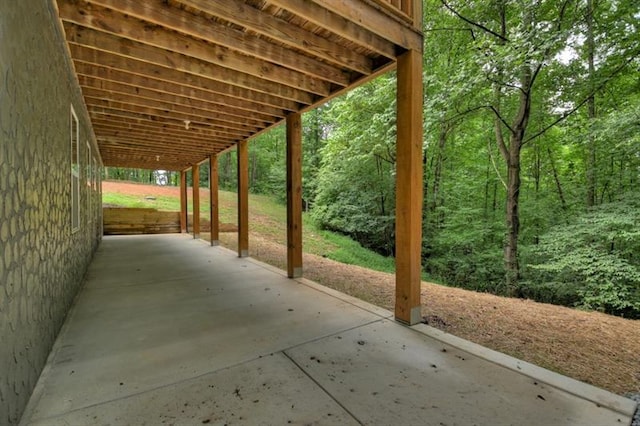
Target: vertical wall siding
x=42 y=262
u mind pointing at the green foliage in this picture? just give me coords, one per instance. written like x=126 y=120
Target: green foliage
x=351 y=252
x=598 y=255
x=355 y=186
x=464 y=253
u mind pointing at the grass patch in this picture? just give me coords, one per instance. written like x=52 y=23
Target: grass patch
x=135 y=201
x=351 y=252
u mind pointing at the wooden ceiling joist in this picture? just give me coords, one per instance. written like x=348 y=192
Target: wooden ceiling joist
x=337 y=24
x=170 y=76
x=108 y=128
x=239 y=130
x=117 y=147
x=134 y=103
x=283 y=32
x=175 y=60
x=157 y=12
x=195 y=129
x=374 y=19
x=231 y=69
x=122 y=92
x=158 y=123
x=92 y=23
x=133 y=142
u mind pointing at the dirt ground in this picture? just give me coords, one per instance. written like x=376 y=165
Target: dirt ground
x=589 y=346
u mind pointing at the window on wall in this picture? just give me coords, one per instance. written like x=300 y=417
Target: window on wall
x=75 y=171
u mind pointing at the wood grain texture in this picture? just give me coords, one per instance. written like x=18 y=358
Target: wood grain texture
x=243 y=198
x=294 y=195
x=195 y=182
x=409 y=188
x=214 y=205
x=183 y=201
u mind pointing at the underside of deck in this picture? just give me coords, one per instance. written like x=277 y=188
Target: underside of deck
x=170 y=84
x=168 y=330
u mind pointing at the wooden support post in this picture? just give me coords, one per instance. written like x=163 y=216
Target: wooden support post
x=195 y=179
x=409 y=188
x=294 y=195
x=214 y=213
x=243 y=198
x=183 y=201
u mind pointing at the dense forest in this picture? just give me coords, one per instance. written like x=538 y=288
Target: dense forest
x=531 y=153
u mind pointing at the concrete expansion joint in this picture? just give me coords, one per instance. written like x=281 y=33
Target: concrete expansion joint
x=324 y=389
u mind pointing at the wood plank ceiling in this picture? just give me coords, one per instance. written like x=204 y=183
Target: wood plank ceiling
x=169 y=82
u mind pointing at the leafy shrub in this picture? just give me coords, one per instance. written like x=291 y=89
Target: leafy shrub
x=598 y=255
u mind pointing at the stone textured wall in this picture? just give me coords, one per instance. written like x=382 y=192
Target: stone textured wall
x=42 y=263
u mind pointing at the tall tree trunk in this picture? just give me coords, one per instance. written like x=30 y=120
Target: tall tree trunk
x=563 y=202
x=437 y=199
x=537 y=176
x=591 y=108
x=511 y=155
x=511 y=263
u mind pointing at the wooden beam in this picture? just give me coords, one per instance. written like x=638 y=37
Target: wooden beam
x=294 y=195
x=155 y=147
x=194 y=115
x=400 y=33
x=157 y=12
x=146 y=160
x=141 y=146
x=284 y=32
x=141 y=126
x=143 y=156
x=409 y=188
x=214 y=208
x=162 y=133
x=132 y=163
x=183 y=202
x=101 y=19
x=195 y=184
x=243 y=198
x=222 y=113
x=159 y=122
x=177 y=83
x=135 y=50
x=337 y=24
x=168 y=115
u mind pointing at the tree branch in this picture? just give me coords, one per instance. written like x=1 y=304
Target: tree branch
x=493 y=163
x=470 y=22
x=477 y=108
x=535 y=74
x=584 y=101
x=463 y=113
x=427 y=30
x=501 y=83
x=499 y=117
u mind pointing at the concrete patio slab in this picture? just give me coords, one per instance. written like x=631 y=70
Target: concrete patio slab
x=165 y=320
x=382 y=372
x=270 y=390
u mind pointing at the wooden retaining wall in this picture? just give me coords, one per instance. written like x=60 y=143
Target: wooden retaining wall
x=127 y=221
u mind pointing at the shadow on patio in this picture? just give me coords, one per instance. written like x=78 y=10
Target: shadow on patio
x=169 y=330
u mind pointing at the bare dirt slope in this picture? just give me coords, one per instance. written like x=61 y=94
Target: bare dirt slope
x=589 y=346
